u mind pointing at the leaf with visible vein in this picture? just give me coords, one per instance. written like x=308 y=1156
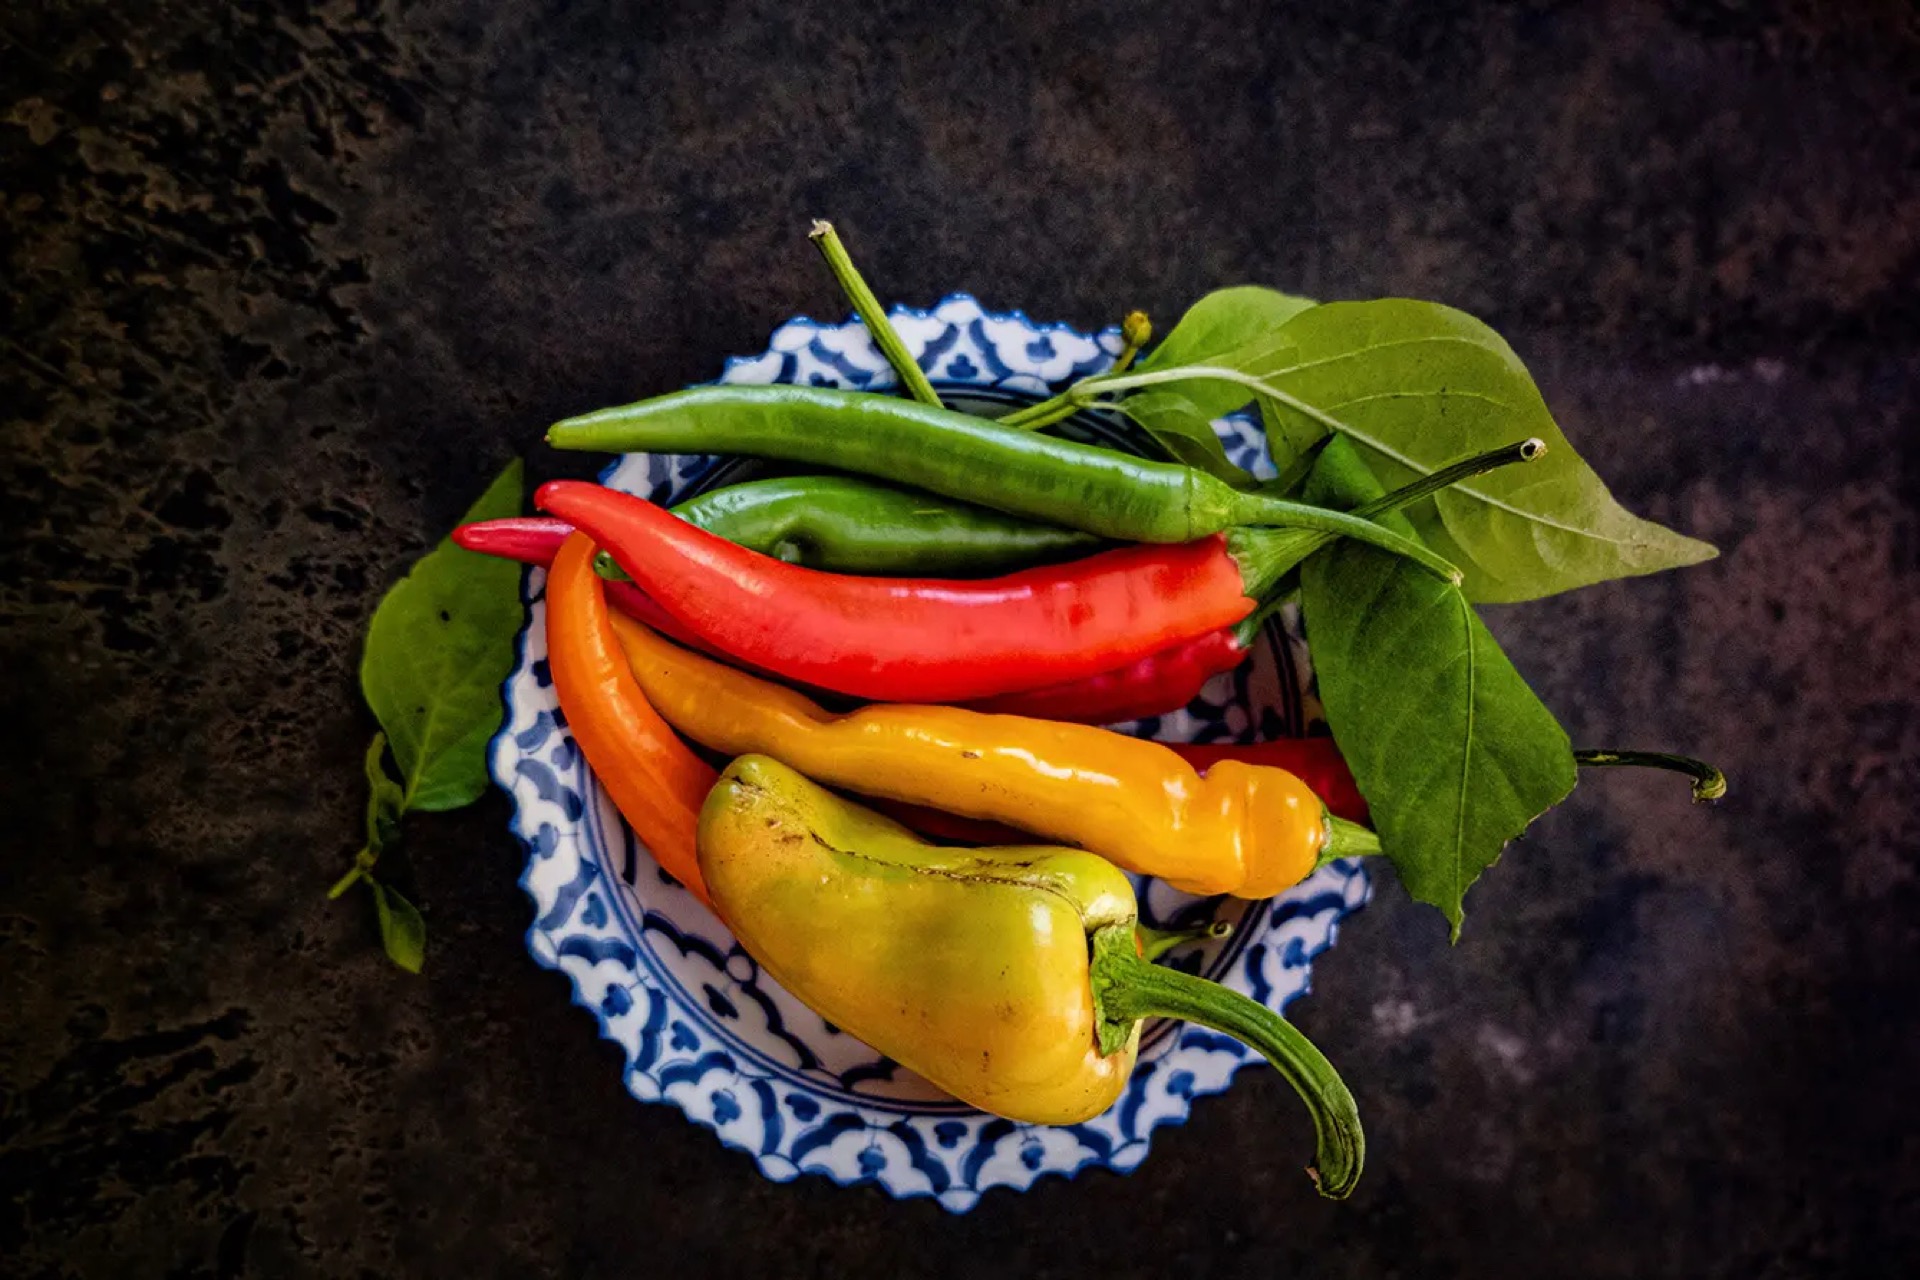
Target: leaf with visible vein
x=1416 y=385
x=1181 y=419
x=1225 y=320
x=438 y=649
x=1453 y=752
x=1186 y=432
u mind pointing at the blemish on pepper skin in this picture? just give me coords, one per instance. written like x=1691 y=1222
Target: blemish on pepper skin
x=969 y=755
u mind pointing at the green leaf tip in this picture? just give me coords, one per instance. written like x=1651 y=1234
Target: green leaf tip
x=402 y=932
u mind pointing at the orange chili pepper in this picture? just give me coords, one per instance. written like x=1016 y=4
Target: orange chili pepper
x=655 y=779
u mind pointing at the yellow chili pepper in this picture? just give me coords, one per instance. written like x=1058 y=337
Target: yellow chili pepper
x=1009 y=977
x=1247 y=830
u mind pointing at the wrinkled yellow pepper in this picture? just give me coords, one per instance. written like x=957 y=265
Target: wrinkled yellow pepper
x=1247 y=830
x=1010 y=977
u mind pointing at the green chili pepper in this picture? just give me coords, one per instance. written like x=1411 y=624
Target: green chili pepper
x=978 y=460
x=857 y=526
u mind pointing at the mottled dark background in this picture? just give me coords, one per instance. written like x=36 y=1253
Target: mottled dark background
x=285 y=284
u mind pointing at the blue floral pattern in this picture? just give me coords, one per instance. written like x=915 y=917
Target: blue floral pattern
x=704 y=1029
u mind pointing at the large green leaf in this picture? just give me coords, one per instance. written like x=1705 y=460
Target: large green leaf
x=1453 y=752
x=1225 y=320
x=1417 y=384
x=439 y=646
x=1185 y=431
x=1181 y=418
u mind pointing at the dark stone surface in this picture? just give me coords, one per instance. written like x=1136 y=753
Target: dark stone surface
x=286 y=283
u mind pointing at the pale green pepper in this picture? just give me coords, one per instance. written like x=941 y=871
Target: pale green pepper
x=1011 y=977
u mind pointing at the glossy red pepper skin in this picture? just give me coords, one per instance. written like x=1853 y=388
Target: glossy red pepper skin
x=528 y=539
x=536 y=541
x=912 y=639
x=1151 y=686
x=1154 y=685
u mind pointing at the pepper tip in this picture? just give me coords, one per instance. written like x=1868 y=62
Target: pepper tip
x=544 y=495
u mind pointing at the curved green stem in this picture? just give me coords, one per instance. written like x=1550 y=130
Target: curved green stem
x=1057 y=408
x=1346 y=840
x=1084 y=391
x=1155 y=943
x=1268 y=555
x=1453 y=473
x=1709 y=784
x=872 y=314
x=1127 y=989
x=1265 y=553
x=1040 y=416
x=362 y=870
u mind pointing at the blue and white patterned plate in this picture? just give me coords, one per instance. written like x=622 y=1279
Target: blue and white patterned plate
x=705 y=1030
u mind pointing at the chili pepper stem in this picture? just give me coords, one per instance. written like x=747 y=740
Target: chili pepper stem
x=1346 y=840
x=1259 y=509
x=1709 y=784
x=362 y=870
x=1127 y=989
x=1268 y=555
x=1042 y=414
x=609 y=568
x=1453 y=473
x=1265 y=556
x=1155 y=943
x=872 y=314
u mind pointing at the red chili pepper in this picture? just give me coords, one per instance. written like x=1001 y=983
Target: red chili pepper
x=911 y=639
x=528 y=539
x=1154 y=685
x=1315 y=761
x=534 y=540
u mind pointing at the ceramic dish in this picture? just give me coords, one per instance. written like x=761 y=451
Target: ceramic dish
x=704 y=1030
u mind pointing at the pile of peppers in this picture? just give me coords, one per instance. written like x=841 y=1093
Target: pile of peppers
x=941 y=627
x=975 y=606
